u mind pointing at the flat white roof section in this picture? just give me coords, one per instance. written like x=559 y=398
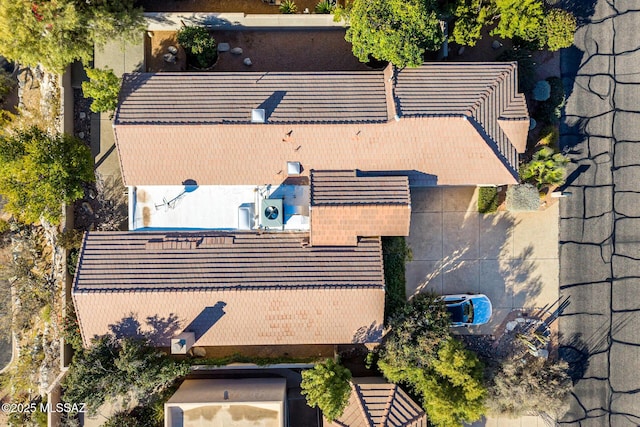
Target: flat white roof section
x=214 y=207
x=231 y=403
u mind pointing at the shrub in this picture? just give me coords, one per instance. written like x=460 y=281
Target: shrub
x=396 y=254
x=288 y=7
x=542 y=91
x=327 y=387
x=487 y=199
x=103 y=88
x=523 y=197
x=325 y=7
x=7 y=83
x=550 y=110
x=560 y=27
x=530 y=385
x=4 y=226
x=201 y=48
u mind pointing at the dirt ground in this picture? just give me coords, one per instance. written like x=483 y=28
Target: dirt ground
x=281 y=50
x=246 y=6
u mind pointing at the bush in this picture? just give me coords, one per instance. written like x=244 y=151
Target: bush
x=542 y=91
x=523 y=197
x=526 y=67
x=326 y=386
x=487 y=199
x=546 y=168
x=325 y=7
x=288 y=7
x=7 y=83
x=200 y=47
x=71 y=330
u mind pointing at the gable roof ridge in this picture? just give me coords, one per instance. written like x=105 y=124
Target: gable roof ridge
x=484 y=95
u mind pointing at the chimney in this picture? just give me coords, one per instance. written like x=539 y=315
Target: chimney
x=182 y=343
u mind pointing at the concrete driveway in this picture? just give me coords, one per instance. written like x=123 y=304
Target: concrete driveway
x=510 y=257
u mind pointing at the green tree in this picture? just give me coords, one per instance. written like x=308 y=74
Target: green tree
x=327 y=387
x=200 y=47
x=560 y=27
x=470 y=17
x=40 y=171
x=530 y=385
x=416 y=334
x=398 y=31
x=521 y=19
x=546 y=168
x=56 y=33
x=127 y=368
x=103 y=87
x=452 y=389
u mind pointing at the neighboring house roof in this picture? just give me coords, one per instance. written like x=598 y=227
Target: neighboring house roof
x=345 y=205
x=376 y=403
x=229 y=288
x=322 y=123
x=259 y=402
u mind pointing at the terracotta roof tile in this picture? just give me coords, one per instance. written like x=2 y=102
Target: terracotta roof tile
x=448 y=130
x=349 y=187
x=376 y=403
x=257 y=290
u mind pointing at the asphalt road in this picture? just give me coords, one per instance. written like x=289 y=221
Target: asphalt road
x=600 y=222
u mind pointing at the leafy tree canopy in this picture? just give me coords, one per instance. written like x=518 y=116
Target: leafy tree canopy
x=521 y=19
x=398 y=31
x=416 y=334
x=560 y=27
x=56 y=33
x=103 y=87
x=452 y=389
x=530 y=384
x=470 y=17
x=126 y=368
x=40 y=171
x=327 y=387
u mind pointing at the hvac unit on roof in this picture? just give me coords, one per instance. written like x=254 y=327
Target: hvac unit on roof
x=271 y=214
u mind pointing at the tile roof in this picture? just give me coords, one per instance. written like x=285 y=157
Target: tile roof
x=376 y=403
x=345 y=205
x=231 y=289
x=348 y=187
x=482 y=91
x=457 y=146
x=299 y=97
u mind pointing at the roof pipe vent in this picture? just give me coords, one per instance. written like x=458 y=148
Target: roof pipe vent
x=258 y=115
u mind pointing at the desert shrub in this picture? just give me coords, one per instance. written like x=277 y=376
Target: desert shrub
x=4 y=226
x=327 y=387
x=72 y=261
x=546 y=168
x=7 y=83
x=288 y=7
x=487 y=199
x=523 y=197
x=526 y=67
x=70 y=239
x=200 y=47
x=542 y=91
x=71 y=329
x=530 y=385
x=324 y=7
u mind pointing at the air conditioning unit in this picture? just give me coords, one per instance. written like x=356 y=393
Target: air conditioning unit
x=271 y=214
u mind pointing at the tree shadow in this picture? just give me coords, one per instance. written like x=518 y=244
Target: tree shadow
x=368 y=334
x=156 y=329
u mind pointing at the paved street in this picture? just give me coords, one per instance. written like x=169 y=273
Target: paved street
x=510 y=257
x=600 y=222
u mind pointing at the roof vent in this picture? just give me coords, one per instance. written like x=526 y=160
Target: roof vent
x=257 y=115
x=293 y=168
x=182 y=343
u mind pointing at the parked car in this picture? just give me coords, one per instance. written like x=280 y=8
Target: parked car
x=468 y=309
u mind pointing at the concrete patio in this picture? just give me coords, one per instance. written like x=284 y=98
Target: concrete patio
x=510 y=257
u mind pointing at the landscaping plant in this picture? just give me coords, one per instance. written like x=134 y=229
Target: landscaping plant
x=327 y=387
x=40 y=171
x=546 y=168
x=560 y=27
x=201 y=48
x=325 y=7
x=288 y=7
x=103 y=88
x=396 y=254
x=487 y=199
